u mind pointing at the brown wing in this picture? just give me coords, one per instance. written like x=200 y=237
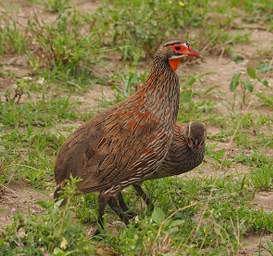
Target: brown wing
x=105 y=152
x=127 y=149
x=77 y=150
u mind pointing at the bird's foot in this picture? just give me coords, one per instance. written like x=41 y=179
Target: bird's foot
x=130 y=215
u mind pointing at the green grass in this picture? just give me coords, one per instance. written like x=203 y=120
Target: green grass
x=51 y=231
x=12 y=39
x=207 y=215
x=41 y=113
x=32 y=158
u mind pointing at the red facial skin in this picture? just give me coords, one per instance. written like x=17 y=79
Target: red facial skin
x=184 y=50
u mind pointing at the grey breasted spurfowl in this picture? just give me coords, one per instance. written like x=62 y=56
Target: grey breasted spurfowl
x=126 y=143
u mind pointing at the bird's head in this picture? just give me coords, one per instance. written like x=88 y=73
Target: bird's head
x=195 y=134
x=175 y=51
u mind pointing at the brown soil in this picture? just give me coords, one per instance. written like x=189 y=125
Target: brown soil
x=263 y=201
x=260 y=40
x=18 y=197
x=255 y=245
x=91 y=100
x=86 y=5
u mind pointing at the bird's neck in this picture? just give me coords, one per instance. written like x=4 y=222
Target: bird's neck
x=162 y=90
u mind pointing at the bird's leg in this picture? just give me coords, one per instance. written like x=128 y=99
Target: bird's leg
x=113 y=202
x=124 y=207
x=121 y=202
x=103 y=200
x=143 y=195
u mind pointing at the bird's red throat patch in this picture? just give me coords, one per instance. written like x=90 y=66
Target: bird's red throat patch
x=174 y=64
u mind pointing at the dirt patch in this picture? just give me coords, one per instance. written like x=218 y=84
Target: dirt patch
x=92 y=99
x=5 y=82
x=259 y=40
x=219 y=70
x=255 y=245
x=210 y=169
x=263 y=200
x=18 y=197
x=86 y=5
x=216 y=73
x=22 y=11
x=212 y=130
x=15 y=66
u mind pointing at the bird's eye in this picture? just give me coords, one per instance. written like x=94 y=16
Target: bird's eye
x=177 y=48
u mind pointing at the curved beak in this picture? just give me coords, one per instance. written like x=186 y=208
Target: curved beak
x=193 y=53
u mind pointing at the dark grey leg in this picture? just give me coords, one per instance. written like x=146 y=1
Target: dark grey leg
x=103 y=200
x=122 y=203
x=113 y=203
x=124 y=207
x=143 y=195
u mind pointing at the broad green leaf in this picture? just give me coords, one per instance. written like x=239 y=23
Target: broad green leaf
x=234 y=82
x=251 y=72
x=158 y=215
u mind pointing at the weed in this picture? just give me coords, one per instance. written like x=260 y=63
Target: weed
x=123 y=24
x=246 y=84
x=57 y=5
x=262 y=178
x=12 y=39
x=63 y=48
x=130 y=82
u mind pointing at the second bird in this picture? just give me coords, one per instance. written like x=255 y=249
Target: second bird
x=185 y=153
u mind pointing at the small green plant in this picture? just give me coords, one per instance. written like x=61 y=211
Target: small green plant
x=57 y=5
x=40 y=114
x=262 y=178
x=63 y=49
x=246 y=84
x=125 y=84
x=12 y=39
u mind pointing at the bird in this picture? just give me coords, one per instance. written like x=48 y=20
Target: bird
x=126 y=143
x=185 y=153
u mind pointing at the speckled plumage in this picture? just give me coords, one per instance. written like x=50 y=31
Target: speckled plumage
x=127 y=143
x=122 y=145
x=185 y=153
x=180 y=157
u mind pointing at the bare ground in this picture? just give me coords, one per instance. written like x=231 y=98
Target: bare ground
x=255 y=245
x=18 y=197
